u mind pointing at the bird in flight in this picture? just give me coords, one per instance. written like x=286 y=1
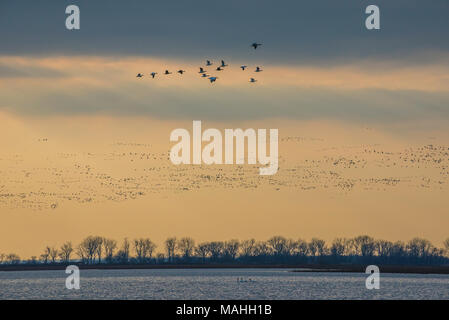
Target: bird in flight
x=139 y=75
x=255 y=45
x=167 y=72
x=243 y=67
x=252 y=80
x=219 y=69
x=208 y=63
x=204 y=75
x=153 y=74
x=213 y=79
x=223 y=64
x=258 y=69
x=201 y=70
x=181 y=71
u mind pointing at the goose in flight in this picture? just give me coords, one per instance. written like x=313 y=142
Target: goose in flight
x=252 y=80
x=212 y=79
x=219 y=69
x=243 y=67
x=153 y=74
x=255 y=45
x=139 y=75
x=201 y=70
x=204 y=75
x=223 y=64
x=167 y=72
x=258 y=69
x=208 y=63
x=181 y=71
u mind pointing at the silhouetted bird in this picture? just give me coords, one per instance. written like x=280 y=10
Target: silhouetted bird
x=243 y=67
x=255 y=45
x=201 y=70
x=167 y=72
x=208 y=63
x=213 y=79
x=219 y=69
x=139 y=75
x=181 y=71
x=204 y=75
x=258 y=69
x=153 y=74
x=252 y=80
x=223 y=64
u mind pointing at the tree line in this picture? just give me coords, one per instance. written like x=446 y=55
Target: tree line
x=276 y=250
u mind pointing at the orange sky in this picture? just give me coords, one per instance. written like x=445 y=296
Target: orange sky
x=85 y=154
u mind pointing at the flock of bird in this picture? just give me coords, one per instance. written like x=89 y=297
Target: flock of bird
x=203 y=73
x=127 y=171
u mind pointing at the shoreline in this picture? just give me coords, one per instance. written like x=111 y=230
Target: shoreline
x=295 y=268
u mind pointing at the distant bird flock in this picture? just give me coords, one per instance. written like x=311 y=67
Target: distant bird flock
x=203 y=73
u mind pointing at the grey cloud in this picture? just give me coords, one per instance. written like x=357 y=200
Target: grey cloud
x=8 y=71
x=225 y=103
x=323 y=32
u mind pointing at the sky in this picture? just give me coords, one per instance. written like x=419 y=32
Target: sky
x=71 y=100
x=311 y=48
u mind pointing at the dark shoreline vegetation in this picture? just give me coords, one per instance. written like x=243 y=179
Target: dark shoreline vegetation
x=342 y=255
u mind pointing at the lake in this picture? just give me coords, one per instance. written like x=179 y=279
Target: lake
x=219 y=284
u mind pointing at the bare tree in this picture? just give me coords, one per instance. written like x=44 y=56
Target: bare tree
x=384 y=248
x=88 y=249
x=364 y=245
x=231 y=248
x=109 y=246
x=419 y=248
x=216 y=249
x=170 y=247
x=262 y=249
x=66 y=251
x=202 y=250
x=144 y=249
x=278 y=245
x=53 y=254
x=123 y=253
x=301 y=247
x=12 y=258
x=340 y=247
x=317 y=247
x=446 y=246
x=186 y=246
x=46 y=255
x=248 y=247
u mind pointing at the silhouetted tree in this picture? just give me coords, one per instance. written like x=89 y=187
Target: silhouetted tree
x=364 y=245
x=231 y=248
x=446 y=246
x=109 y=246
x=248 y=248
x=170 y=247
x=339 y=247
x=53 y=254
x=144 y=249
x=12 y=258
x=186 y=246
x=317 y=247
x=46 y=255
x=202 y=250
x=278 y=245
x=65 y=251
x=215 y=249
